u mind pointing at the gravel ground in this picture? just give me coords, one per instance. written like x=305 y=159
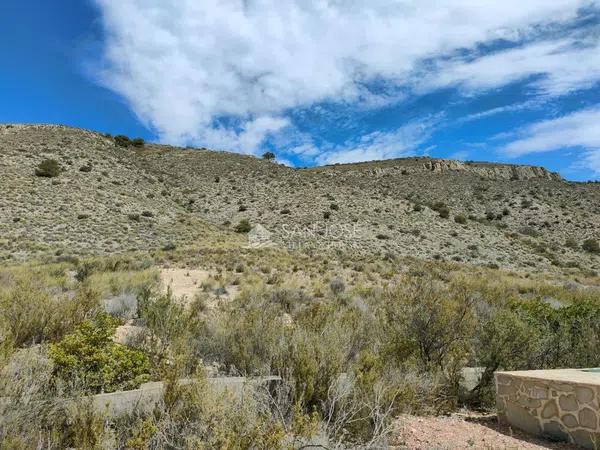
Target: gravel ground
x=466 y=431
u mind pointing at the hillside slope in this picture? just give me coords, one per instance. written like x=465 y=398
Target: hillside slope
x=151 y=197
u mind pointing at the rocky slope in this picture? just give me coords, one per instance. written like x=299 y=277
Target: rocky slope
x=109 y=199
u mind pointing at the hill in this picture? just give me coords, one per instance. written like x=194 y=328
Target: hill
x=109 y=199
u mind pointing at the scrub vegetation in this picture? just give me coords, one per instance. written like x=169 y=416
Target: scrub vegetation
x=370 y=290
x=355 y=344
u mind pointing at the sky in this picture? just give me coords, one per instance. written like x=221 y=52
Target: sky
x=316 y=82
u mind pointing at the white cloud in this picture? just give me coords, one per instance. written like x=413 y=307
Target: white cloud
x=226 y=73
x=562 y=66
x=578 y=129
x=461 y=155
x=529 y=104
x=591 y=160
x=380 y=145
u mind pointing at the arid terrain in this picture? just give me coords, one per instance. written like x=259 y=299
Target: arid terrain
x=369 y=289
x=110 y=199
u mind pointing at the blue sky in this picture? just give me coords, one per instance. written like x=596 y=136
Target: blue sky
x=318 y=82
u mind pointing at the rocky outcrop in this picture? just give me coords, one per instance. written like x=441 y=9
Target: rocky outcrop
x=409 y=166
x=492 y=171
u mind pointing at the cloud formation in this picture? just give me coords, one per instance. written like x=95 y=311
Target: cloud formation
x=227 y=73
x=578 y=130
x=380 y=145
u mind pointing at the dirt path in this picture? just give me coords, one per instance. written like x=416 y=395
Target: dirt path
x=471 y=432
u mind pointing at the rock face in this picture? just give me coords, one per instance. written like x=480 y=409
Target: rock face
x=491 y=171
x=412 y=166
x=558 y=410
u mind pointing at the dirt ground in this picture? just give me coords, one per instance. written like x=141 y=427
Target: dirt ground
x=466 y=432
x=186 y=283
x=183 y=282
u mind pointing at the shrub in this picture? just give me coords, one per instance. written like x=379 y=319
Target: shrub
x=243 y=226
x=444 y=212
x=89 y=356
x=419 y=317
x=460 y=218
x=382 y=237
x=86 y=169
x=334 y=206
x=48 y=168
x=571 y=243
x=417 y=207
x=529 y=231
x=122 y=141
x=170 y=246
x=138 y=142
x=337 y=286
x=591 y=246
x=147 y=214
x=269 y=156
x=326 y=215
x=133 y=217
x=30 y=315
x=438 y=205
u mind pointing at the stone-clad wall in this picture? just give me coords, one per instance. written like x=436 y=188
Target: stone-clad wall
x=556 y=409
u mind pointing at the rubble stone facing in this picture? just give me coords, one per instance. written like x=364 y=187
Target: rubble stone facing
x=554 y=409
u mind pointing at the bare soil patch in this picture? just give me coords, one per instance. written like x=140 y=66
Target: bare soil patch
x=183 y=282
x=466 y=432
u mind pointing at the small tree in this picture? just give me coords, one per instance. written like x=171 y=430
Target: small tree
x=48 y=168
x=269 y=156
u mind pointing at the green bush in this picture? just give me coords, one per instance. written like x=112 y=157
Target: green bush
x=572 y=243
x=591 y=246
x=138 y=142
x=31 y=315
x=460 y=219
x=48 y=168
x=444 y=212
x=89 y=356
x=529 y=231
x=122 y=141
x=269 y=156
x=243 y=226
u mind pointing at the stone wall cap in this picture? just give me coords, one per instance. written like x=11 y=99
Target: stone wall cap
x=577 y=376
